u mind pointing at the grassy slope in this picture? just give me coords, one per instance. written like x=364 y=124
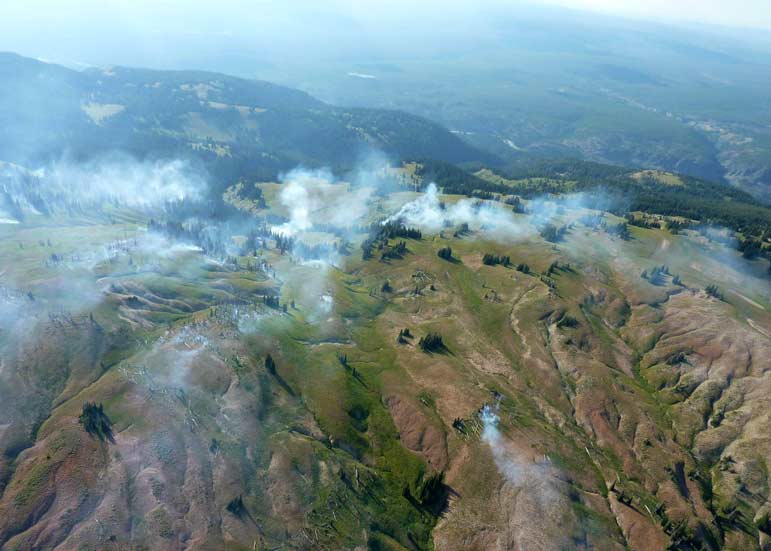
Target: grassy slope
x=332 y=452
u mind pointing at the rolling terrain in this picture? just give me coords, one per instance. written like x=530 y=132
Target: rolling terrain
x=233 y=316
x=359 y=365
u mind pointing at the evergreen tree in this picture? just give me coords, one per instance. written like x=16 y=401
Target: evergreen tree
x=432 y=342
x=270 y=364
x=494 y=259
x=95 y=421
x=714 y=291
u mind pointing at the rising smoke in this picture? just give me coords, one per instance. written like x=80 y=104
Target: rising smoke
x=317 y=202
x=125 y=181
x=532 y=483
x=516 y=469
x=316 y=197
x=69 y=187
x=496 y=220
x=428 y=212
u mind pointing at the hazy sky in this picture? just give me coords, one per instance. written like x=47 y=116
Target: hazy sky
x=751 y=13
x=182 y=33
x=755 y=13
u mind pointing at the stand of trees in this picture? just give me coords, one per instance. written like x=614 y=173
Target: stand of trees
x=494 y=260
x=284 y=243
x=552 y=233
x=431 y=492
x=656 y=275
x=236 y=507
x=95 y=421
x=714 y=291
x=755 y=247
x=516 y=205
x=641 y=221
x=432 y=342
x=270 y=364
x=392 y=230
x=676 y=226
x=621 y=230
x=205 y=236
x=445 y=253
x=271 y=301
x=318 y=251
x=379 y=234
x=558 y=266
x=594 y=221
x=404 y=334
x=462 y=230
x=456 y=181
x=696 y=199
x=394 y=251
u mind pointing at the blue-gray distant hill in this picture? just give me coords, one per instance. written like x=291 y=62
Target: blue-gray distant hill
x=233 y=125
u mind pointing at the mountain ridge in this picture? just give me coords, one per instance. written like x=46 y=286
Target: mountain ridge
x=206 y=115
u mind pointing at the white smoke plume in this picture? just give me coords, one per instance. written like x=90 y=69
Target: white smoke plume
x=428 y=212
x=713 y=255
x=313 y=287
x=515 y=469
x=122 y=180
x=317 y=197
x=296 y=197
x=537 y=479
x=314 y=199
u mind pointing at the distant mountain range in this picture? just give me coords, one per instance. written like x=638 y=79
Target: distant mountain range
x=236 y=127
x=556 y=83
